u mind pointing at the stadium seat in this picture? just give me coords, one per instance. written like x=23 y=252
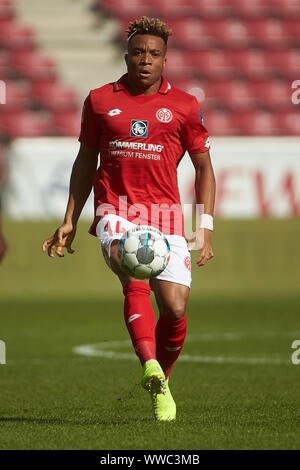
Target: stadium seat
x=235 y=94
x=287 y=8
x=122 y=8
x=220 y=123
x=191 y=33
x=67 y=123
x=179 y=64
x=214 y=63
x=212 y=8
x=193 y=87
x=286 y=62
x=18 y=95
x=178 y=8
x=260 y=123
x=270 y=32
x=231 y=32
x=252 y=63
x=252 y=8
x=26 y=124
x=55 y=96
x=7 y=10
x=275 y=94
x=5 y=65
x=34 y=65
x=16 y=36
x=290 y=123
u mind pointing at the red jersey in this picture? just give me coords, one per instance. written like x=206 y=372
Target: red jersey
x=141 y=140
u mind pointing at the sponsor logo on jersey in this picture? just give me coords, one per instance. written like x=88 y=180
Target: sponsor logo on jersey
x=117 y=144
x=138 y=128
x=164 y=115
x=114 y=112
x=187 y=263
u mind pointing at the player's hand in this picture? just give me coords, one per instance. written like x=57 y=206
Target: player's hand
x=206 y=252
x=62 y=238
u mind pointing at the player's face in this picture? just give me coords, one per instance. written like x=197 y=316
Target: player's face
x=145 y=61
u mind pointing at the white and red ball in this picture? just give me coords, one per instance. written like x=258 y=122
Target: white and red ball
x=143 y=252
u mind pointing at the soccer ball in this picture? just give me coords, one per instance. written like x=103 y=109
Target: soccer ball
x=143 y=252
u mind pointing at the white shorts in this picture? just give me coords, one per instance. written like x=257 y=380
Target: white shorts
x=178 y=270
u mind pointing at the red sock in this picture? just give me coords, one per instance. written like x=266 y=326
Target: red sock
x=170 y=336
x=140 y=319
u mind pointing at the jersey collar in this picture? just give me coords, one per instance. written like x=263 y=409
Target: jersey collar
x=121 y=85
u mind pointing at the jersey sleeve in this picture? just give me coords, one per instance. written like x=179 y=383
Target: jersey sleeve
x=90 y=130
x=195 y=135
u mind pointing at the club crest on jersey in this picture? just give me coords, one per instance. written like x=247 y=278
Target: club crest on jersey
x=138 y=128
x=164 y=115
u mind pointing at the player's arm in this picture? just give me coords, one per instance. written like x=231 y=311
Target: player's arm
x=2 y=242
x=205 y=189
x=2 y=239
x=81 y=183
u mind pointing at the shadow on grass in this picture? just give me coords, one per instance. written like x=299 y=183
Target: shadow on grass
x=84 y=422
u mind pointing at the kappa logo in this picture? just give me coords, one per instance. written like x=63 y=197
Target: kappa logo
x=133 y=317
x=114 y=112
x=138 y=128
x=164 y=115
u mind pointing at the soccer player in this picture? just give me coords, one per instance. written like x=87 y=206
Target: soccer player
x=142 y=126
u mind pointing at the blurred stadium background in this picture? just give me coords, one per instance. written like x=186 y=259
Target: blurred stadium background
x=241 y=59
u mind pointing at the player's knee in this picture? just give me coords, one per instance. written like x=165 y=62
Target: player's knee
x=175 y=312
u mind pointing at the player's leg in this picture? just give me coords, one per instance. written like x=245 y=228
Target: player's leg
x=171 y=290
x=170 y=330
x=140 y=321
x=170 y=334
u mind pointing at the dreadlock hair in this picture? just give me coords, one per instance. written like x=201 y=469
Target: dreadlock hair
x=145 y=25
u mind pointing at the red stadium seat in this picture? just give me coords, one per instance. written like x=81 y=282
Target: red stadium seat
x=275 y=94
x=179 y=64
x=34 y=65
x=179 y=8
x=270 y=32
x=287 y=8
x=191 y=33
x=260 y=123
x=231 y=32
x=55 y=96
x=252 y=8
x=67 y=123
x=252 y=63
x=212 y=8
x=121 y=8
x=290 y=123
x=5 y=65
x=214 y=63
x=235 y=94
x=16 y=36
x=220 y=123
x=286 y=62
x=7 y=9
x=18 y=95
x=196 y=88
x=26 y=124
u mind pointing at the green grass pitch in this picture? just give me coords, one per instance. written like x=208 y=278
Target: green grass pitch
x=235 y=385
